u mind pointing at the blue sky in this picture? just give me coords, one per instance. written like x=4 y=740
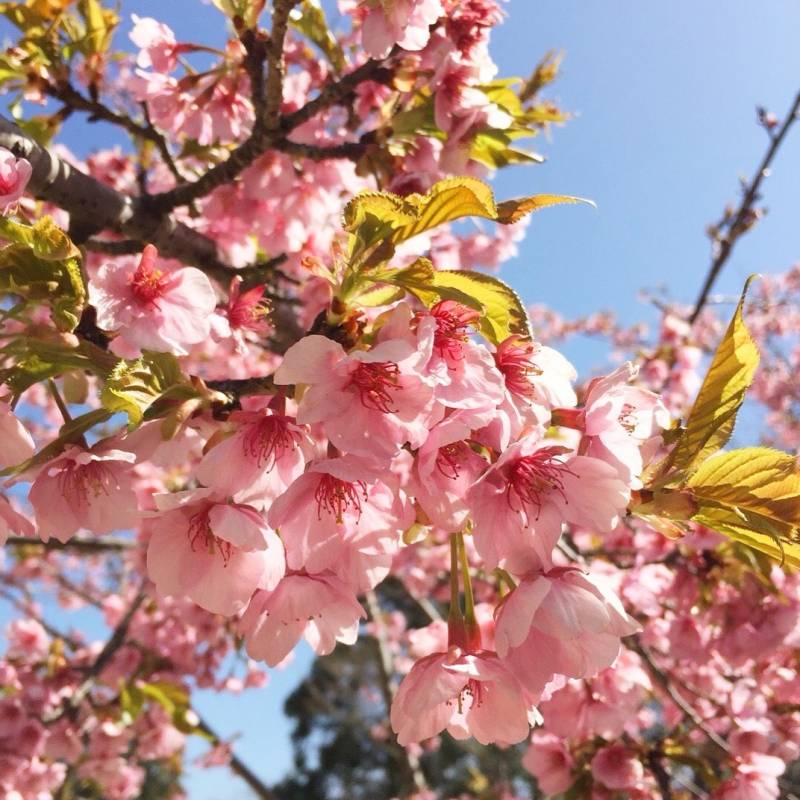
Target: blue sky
x=663 y=97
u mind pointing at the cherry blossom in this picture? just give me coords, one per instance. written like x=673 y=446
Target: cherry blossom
x=151 y=308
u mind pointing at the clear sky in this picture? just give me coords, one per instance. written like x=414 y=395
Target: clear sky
x=663 y=97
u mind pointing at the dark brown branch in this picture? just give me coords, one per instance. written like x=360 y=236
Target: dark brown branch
x=740 y=222
x=96 y=206
x=276 y=66
x=261 y=140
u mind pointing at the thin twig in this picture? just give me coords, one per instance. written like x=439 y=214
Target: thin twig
x=238 y=766
x=85 y=545
x=663 y=680
x=738 y=224
x=116 y=640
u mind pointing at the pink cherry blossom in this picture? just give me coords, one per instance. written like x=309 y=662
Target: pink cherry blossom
x=755 y=778
x=27 y=640
x=12 y=523
x=258 y=461
x=215 y=552
x=338 y=517
x=394 y=404
x=321 y=608
x=402 y=22
x=156 y=42
x=617 y=767
x=550 y=762
x=150 y=308
x=14 y=176
x=16 y=444
x=468 y=694
x=519 y=504
x=560 y=622
x=537 y=378
x=90 y=489
x=445 y=468
x=463 y=372
x=620 y=419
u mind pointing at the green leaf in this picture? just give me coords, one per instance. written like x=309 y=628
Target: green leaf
x=711 y=420
x=502 y=311
x=752 y=530
x=100 y=23
x=309 y=19
x=43 y=264
x=134 y=385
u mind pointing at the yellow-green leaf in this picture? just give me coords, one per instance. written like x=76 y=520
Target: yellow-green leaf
x=711 y=420
x=503 y=311
x=752 y=530
x=49 y=242
x=511 y=211
x=134 y=385
x=309 y=19
x=756 y=479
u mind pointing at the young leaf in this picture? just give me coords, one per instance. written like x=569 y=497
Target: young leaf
x=371 y=214
x=503 y=311
x=713 y=414
x=309 y=19
x=754 y=479
x=511 y=211
x=753 y=530
x=134 y=385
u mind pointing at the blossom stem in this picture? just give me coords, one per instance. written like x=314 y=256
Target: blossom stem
x=454 y=617
x=469 y=598
x=62 y=406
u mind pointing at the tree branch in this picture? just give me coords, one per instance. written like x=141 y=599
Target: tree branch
x=116 y=640
x=239 y=767
x=85 y=545
x=276 y=66
x=262 y=139
x=740 y=222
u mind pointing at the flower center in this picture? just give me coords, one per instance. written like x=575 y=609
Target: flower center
x=249 y=309
x=201 y=536
x=471 y=696
x=513 y=359
x=268 y=440
x=148 y=284
x=335 y=496
x=375 y=383
x=450 y=459
x=452 y=324
x=79 y=481
x=627 y=417
x=535 y=476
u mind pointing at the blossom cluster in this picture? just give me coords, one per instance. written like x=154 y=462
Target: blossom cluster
x=291 y=446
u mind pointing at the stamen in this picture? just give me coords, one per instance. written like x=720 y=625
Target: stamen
x=269 y=439
x=449 y=459
x=375 y=382
x=335 y=496
x=513 y=359
x=201 y=535
x=535 y=476
x=452 y=323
